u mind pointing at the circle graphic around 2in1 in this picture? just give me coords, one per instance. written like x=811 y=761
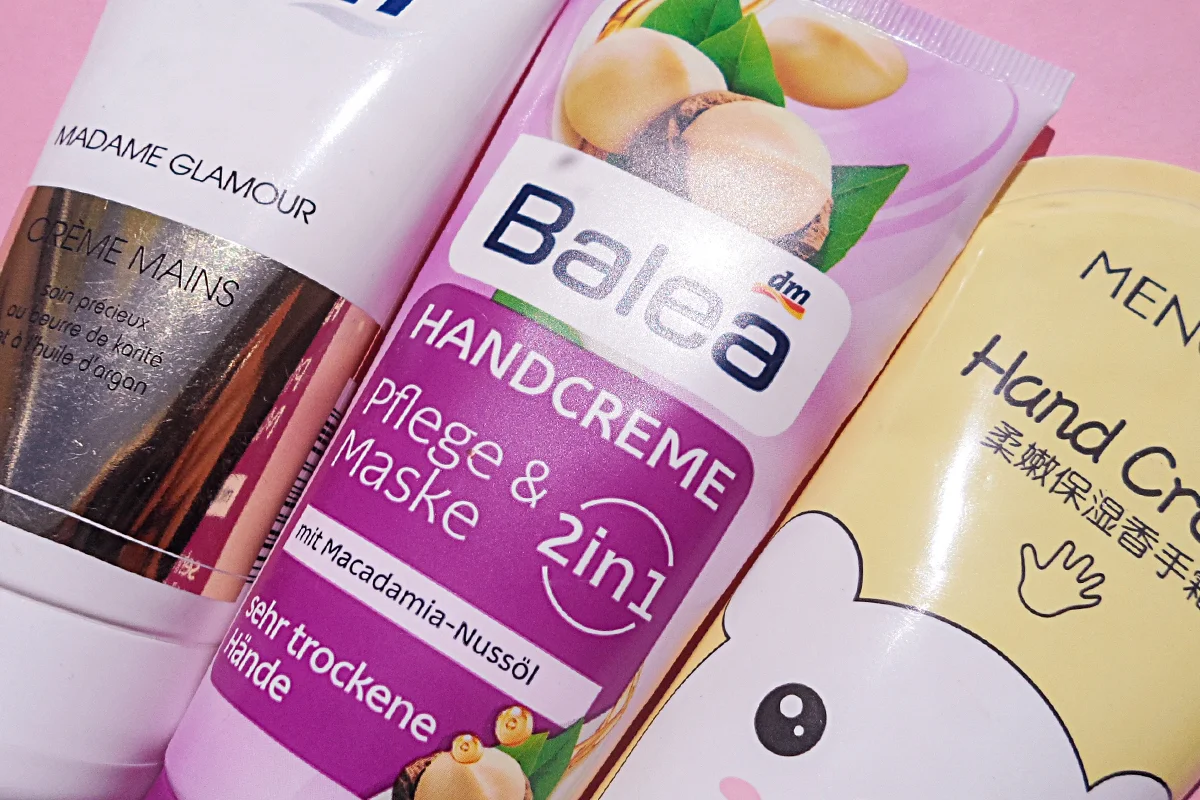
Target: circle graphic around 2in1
x=608 y=567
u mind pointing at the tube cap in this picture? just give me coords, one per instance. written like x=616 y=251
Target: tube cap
x=87 y=705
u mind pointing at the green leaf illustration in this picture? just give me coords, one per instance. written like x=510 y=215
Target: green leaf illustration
x=858 y=194
x=526 y=754
x=694 y=20
x=742 y=54
x=537 y=315
x=553 y=760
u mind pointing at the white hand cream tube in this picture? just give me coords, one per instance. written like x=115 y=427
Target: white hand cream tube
x=227 y=210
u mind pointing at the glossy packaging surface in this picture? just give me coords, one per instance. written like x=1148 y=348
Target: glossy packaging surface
x=990 y=587
x=694 y=240
x=225 y=214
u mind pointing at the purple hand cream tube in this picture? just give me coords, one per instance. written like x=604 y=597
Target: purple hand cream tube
x=697 y=236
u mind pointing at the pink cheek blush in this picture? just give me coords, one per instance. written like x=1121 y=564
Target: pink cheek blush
x=738 y=789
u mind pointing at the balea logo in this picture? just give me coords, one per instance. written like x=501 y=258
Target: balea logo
x=653 y=283
x=681 y=310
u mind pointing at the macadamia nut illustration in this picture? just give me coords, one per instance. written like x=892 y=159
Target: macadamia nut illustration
x=523 y=763
x=466 y=749
x=514 y=726
x=621 y=83
x=696 y=105
x=834 y=63
x=631 y=14
x=493 y=775
x=759 y=166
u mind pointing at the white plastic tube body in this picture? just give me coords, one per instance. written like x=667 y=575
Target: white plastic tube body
x=312 y=141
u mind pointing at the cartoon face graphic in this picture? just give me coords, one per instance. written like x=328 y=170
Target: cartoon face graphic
x=818 y=695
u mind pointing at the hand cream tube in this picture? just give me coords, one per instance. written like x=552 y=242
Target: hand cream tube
x=226 y=212
x=990 y=587
x=695 y=239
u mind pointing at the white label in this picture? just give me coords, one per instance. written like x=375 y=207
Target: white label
x=340 y=169
x=730 y=317
x=549 y=687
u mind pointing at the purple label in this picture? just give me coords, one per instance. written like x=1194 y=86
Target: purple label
x=504 y=519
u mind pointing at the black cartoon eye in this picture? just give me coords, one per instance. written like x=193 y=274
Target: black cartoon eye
x=790 y=720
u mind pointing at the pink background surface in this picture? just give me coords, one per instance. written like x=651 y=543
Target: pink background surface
x=1137 y=92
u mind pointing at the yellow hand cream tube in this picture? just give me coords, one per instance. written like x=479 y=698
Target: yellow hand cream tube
x=991 y=586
